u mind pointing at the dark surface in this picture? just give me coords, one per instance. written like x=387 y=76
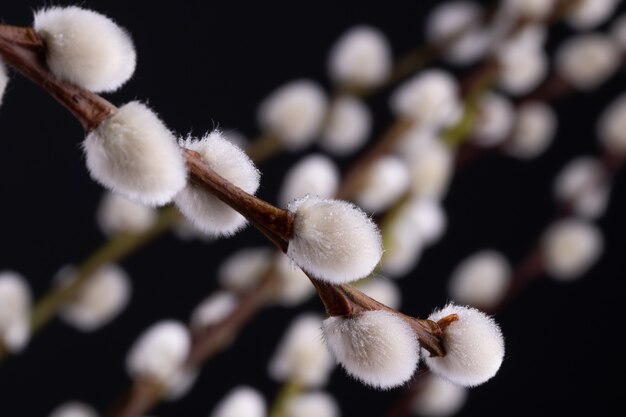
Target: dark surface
x=205 y=64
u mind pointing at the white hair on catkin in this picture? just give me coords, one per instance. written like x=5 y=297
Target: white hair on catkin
x=73 y=409
x=588 y=14
x=437 y=397
x=100 y=300
x=570 y=247
x=301 y=356
x=360 y=57
x=533 y=130
x=117 y=214
x=333 y=240
x=474 y=347
x=4 y=80
x=588 y=60
x=241 y=401
x=133 y=153
x=86 y=48
x=294 y=113
x=207 y=212
x=376 y=347
x=160 y=351
x=15 y=306
x=311 y=404
x=611 y=126
x=348 y=126
x=315 y=174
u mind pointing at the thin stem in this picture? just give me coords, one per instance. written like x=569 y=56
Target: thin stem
x=287 y=391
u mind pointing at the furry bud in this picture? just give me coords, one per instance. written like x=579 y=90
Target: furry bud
x=241 y=401
x=117 y=214
x=586 y=61
x=583 y=185
x=382 y=184
x=301 y=356
x=102 y=298
x=376 y=347
x=213 y=309
x=382 y=290
x=314 y=174
x=348 y=126
x=311 y=404
x=4 y=80
x=533 y=131
x=294 y=113
x=430 y=98
x=450 y=19
x=588 y=14
x=73 y=409
x=494 y=121
x=612 y=126
x=361 y=57
x=481 y=280
x=242 y=270
x=133 y=153
x=205 y=211
x=474 y=347
x=570 y=247
x=86 y=48
x=438 y=398
x=15 y=305
x=159 y=352
x=333 y=240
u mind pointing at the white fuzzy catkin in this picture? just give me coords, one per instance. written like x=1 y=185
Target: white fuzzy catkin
x=570 y=247
x=426 y=217
x=430 y=98
x=450 y=19
x=314 y=174
x=117 y=214
x=133 y=153
x=241 y=401
x=431 y=163
x=583 y=185
x=480 y=280
x=311 y=404
x=294 y=113
x=612 y=126
x=586 y=61
x=533 y=131
x=301 y=356
x=588 y=14
x=438 y=398
x=403 y=248
x=100 y=300
x=531 y=9
x=383 y=183
x=295 y=287
x=494 y=121
x=361 y=57
x=204 y=210
x=383 y=290
x=213 y=309
x=73 y=409
x=348 y=126
x=242 y=270
x=474 y=347
x=159 y=352
x=4 y=80
x=15 y=306
x=376 y=347
x=618 y=31
x=333 y=240
x=86 y=48
x=522 y=67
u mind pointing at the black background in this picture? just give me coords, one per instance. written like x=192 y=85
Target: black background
x=206 y=64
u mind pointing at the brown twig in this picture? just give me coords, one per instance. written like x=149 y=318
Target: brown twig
x=22 y=50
